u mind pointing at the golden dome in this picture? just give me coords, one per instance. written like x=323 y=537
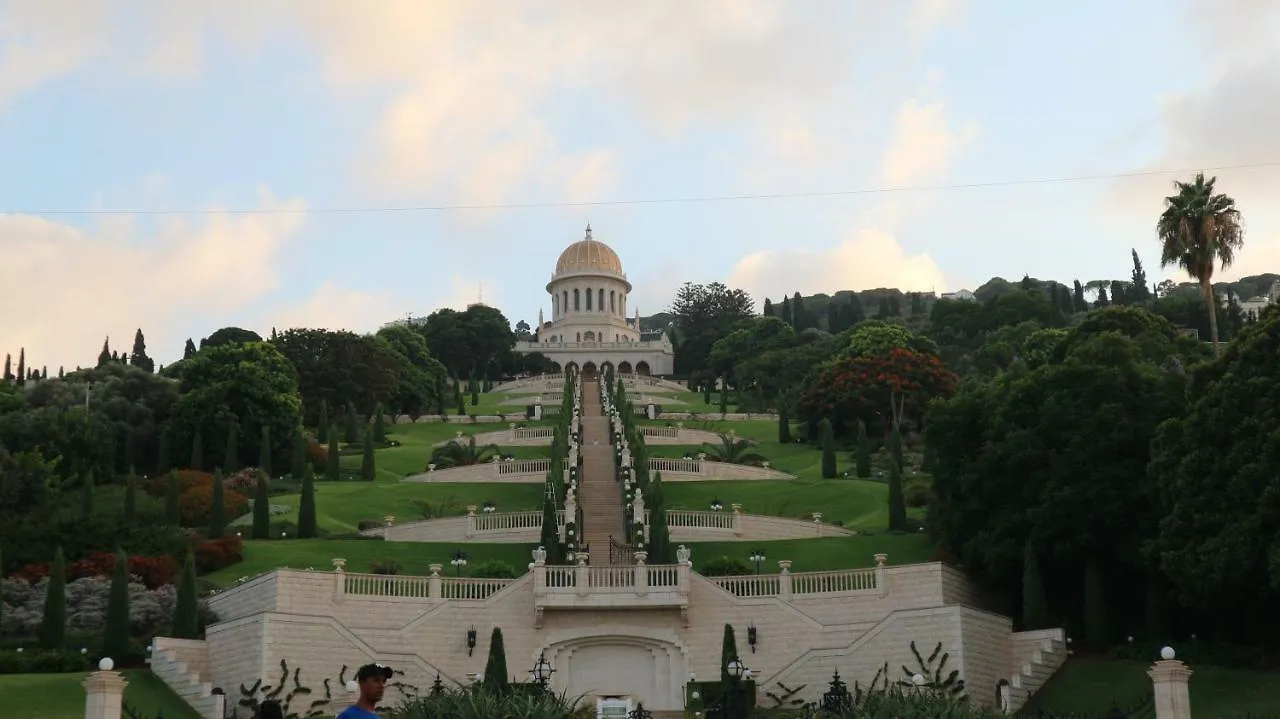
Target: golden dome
x=588 y=255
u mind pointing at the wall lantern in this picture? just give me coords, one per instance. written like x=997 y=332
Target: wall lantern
x=751 y=637
x=471 y=640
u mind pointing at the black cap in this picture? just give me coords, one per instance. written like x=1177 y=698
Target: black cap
x=370 y=671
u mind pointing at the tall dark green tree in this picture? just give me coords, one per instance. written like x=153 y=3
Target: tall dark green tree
x=188 y=349
x=862 y=456
x=550 y=536
x=307 y=506
x=172 y=496
x=379 y=425
x=1097 y=630
x=197 y=450
x=333 y=468
x=728 y=652
x=897 y=499
x=139 y=358
x=264 y=451
x=462 y=404
x=299 y=454
x=1139 y=290
x=724 y=395
x=322 y=424
x=104 y=357
x=231 y=457
x=367 y=468
x=784 y=424
x=659 y=546
x=8 y=368
x=262 y=508
x=827 y=438
x=87 y=495
x=495 y=668
x=115 y=636
x=130 y=497
x=186 y=610
x=22 y=366
x=53 y=625
x=1035 y=606
x=164 y=454
x=217 y=508
x=350 y=426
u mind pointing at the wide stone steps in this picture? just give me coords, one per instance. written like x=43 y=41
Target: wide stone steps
x=177 y=675
x=599 y=494
x=1046 y=660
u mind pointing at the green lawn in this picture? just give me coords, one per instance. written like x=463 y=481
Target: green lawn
x=857 y=504
x=1090 y=686
x=418 y=440
x=821 y=553
x=61 y=696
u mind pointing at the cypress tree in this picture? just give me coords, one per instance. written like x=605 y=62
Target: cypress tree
x=299 y=454
x=333 y=466
x=217 y=510
x=22 y=366
x=784 y=425
x=728 y=652
x=130 y=496
x=172 y=509
x=307 y=506
x=264 y=450
x=197 y=451
x=188 y=349
x=379 y=427
x=1096 y=631
x=231 y=459
x=163 y=453
x=659 y=535
x=495 y=669
x=827 y=438
x=475 y=394
x=724 y=395
x=8 y=367
x=186 y=611
x=706 y=393
x=863 y=458
x=115 y=636
x=351 y=428
x=262 y=508
x=1035 y=607
x=104 y=357
x=367 y=469
x=86 y=496
x=139 y=358
x=322 y=425
x=53 y=625
x=440 y=395
x=550 y=537
x=462 y=405
x=897 y=500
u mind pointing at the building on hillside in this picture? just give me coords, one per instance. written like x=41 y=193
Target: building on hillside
x=960 y=295
x=590 y=327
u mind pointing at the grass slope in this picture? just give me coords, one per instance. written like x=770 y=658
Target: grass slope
x=61 y=696
x=1090 y=686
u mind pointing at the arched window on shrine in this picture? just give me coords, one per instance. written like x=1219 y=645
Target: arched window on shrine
x=577 y=301
x=600 y=301
x=588 y=299
x=612 y=306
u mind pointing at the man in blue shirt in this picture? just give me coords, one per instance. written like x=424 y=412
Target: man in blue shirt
x=372 y=680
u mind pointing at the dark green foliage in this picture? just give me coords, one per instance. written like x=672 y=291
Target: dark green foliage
x=350 y=427
x=660 y=550
x=130 y=496
x=86 y=496
x=333 y=468
x=897 y=498
x=706 y=393
x=728 y=652
x=784 y=426
x=367 y=469
x=299 y=459
x=322 y=424
x=827 y=439
x=217 y=508
x=379 y=425
x=724 y=395
x=264 y=450
x=164 y=455
x=53 y=625
x=261 y=508
x=172 y=509
x=863 y=452
x=186 y=611
x=253 y=697
x=1097 y=632
x=475 y=395
x=307 y=505
x=197 y=451
x=495 y=669
x=1035 y=607
x=231 y=455
x=550 y=536
x=115 y=637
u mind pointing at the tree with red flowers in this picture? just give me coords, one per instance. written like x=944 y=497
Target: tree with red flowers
x=870 y=387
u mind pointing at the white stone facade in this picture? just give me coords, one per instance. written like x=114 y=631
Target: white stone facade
x=590 y=327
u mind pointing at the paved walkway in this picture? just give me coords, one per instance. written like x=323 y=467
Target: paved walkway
x=599 y=495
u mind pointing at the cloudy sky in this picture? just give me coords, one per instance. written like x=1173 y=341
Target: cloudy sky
x=186 y=166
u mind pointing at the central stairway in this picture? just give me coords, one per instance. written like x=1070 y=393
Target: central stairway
x=599 y=494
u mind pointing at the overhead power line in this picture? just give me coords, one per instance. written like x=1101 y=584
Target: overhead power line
x=649 y=201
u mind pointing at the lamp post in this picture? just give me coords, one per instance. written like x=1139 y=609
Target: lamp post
x=757 y=558
x=459 y=561
x=733 y=701
x=716 y=505
x=490 y=507
x=542 y=671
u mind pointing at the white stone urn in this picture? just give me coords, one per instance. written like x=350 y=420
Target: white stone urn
x=389 y=519
x=338 y=564
x=784 y=566
x=881 y=558
x=435 y=569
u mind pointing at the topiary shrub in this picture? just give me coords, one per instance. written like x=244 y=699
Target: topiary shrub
x=725 y=567
x=916 y=494
x=494 y=569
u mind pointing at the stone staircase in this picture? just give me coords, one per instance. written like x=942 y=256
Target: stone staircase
x=179 y=663
x=1039 y=654
x=599 y=494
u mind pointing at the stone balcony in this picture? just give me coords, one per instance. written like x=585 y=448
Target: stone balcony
x=642 y=586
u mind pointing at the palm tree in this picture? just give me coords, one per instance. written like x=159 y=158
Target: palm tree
x=457 y=454
x=1197 y=229
x=733 y=450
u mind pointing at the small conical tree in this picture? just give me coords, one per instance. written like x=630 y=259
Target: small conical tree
x=827 y=439
x=659 y=546
x=367 y=469
x=863 y=458
x=186 y=610
x=164 y=455
x=1097 y=632
x=53 y=624
x=130 y=497
x=462 y=405
x=115 y=636
x=299 y=459
x=897 y=499
x=264 y=450
x=706 y=393
x=724 y=395
x=172 y=497
x=728 y=652
x=475 y=394
x=379 y=425
x=307 y=506
x=350 y=427
x=322 y=425
x=495 y=669
x=86 y=496
x=550 y=536
x=784 y=425
x=1035 y=607
x=231 y=457
x=333 y=466
x=217 y=508
x=262 y=508
x=197 y=451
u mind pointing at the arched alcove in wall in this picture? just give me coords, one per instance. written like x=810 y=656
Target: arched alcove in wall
x=645 y=669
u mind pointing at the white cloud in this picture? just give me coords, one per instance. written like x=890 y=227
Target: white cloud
x=67 y=288
x=923 y=145
x=334 y=308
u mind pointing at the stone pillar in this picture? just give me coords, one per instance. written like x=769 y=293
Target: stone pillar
x=582 y=574
x=105 y=692
x=511 y=432
x=737 y=518
x=471 y=520
x=433 y=581
x=784 y=578
x=339 y=578
x=642 y=573
x=882 y=574
x=817 y=522
x=537 y=409
x=539 y=579
x=1169 y=679
x=651 y=411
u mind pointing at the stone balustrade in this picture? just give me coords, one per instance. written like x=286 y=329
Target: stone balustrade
x=516 y=470
x=785 y=584
x=415 y=587
x=700 y=469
